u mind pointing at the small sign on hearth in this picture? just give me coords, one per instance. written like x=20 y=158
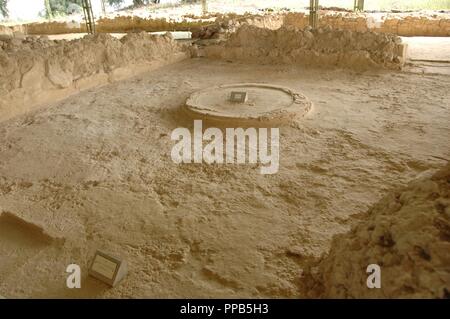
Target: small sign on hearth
x=238 y=97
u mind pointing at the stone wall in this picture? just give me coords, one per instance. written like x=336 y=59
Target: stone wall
x=117 y=25
x=38 y=71
x=226 y=25
x=403 y=24
x=322 y=47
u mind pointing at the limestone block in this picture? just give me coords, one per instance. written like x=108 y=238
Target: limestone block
x=19 y=35
x=32 y=79
x=401 y=50
x=59 y=77
x=5 y=33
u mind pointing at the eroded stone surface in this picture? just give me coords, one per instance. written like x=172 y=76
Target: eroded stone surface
x=407 y=234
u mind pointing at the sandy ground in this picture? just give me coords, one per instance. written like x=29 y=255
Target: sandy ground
x=95 y=172
x=428 y=48
x=428 y=54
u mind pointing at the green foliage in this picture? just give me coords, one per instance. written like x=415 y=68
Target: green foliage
x=63 y=7
x=115 y=3
x=4 y=7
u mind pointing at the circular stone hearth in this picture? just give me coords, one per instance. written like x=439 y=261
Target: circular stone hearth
x=254 y=104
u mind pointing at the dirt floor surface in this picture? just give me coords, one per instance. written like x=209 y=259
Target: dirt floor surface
x=94 y=171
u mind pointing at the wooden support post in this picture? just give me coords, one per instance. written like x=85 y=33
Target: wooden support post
x=313 y=13
x=358 y=5
x=103 y=7
x=204 y=7
x=88 y=16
